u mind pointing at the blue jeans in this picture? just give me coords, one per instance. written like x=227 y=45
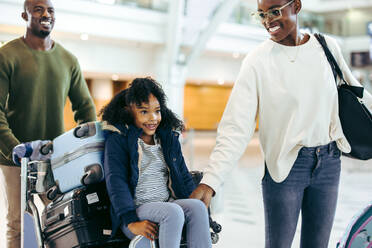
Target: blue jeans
x=171 y=217
x=312 y=187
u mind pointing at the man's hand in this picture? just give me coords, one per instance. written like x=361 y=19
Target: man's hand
x=145 y=228
x=31 y=150
x=204 y=193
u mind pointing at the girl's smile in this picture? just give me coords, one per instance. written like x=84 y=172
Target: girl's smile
x=147 y=116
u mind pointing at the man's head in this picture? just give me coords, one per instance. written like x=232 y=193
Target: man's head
x=279 y=17
x=39 y=15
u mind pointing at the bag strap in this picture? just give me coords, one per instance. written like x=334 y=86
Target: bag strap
x=332 y=61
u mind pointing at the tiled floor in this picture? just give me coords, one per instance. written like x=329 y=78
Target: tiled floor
x=240 y=211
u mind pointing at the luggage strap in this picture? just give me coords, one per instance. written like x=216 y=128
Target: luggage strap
x=81 y=151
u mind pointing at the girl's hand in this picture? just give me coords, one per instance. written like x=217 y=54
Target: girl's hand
x=145 y=228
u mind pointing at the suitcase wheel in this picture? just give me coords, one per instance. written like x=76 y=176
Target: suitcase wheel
x=81 y=131
x=85 y=130
x=47 y=148
x=93 y=174
x=52 y=192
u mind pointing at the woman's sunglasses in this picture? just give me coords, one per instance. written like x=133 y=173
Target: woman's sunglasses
x=272 y=14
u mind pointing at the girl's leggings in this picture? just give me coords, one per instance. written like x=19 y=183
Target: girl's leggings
x=171 y=217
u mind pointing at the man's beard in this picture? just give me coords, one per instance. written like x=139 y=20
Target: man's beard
x=43 y=34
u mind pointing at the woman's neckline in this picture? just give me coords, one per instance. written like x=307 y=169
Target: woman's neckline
x=308 y=41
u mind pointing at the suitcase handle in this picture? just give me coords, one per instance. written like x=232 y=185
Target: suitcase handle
x=54 y=219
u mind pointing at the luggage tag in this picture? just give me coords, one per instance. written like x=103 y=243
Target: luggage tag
x=92 y=198
x=66 y=211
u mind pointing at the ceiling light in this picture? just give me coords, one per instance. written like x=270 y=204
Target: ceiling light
x=84 y=37
x=115 y=77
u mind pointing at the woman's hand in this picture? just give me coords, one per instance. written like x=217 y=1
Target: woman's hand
x=204 y=193
x=145 y=228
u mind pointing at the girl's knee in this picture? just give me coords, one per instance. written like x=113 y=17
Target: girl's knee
x=196 y=209
x=198 y=205
x=175 y=213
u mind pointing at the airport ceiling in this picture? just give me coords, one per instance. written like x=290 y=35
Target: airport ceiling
x=324 y=6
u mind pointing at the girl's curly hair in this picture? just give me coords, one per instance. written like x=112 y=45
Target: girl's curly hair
x=117 y=111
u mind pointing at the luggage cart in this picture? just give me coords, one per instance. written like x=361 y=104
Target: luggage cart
x=67 y=228
x=27 y=202
x=30 y=171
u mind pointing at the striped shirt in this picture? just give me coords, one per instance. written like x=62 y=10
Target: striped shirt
x=153 y=175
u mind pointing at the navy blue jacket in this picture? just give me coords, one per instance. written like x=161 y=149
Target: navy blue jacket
x=121 y=170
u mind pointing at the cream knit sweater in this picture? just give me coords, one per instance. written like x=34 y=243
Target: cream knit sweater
x=297 y=105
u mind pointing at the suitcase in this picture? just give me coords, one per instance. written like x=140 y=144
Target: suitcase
x=77 y=157
x=80 y=218
x=359 y=232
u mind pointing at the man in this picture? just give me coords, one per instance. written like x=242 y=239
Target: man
x=36 y=76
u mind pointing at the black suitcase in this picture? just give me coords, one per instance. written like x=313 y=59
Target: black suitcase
x=80 y=218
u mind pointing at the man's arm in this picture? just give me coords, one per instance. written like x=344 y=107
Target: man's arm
x=7 y=139
x=81 y=100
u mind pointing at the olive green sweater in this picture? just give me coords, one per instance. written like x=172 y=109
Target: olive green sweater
x=34 y=86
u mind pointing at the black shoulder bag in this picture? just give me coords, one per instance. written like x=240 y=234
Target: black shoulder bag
x=356 y=120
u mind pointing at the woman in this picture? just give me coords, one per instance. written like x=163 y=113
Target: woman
x=286 y=81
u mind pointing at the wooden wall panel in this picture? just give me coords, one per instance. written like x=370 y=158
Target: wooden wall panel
x=119 y=86
x=204 y=105
x=69 y=116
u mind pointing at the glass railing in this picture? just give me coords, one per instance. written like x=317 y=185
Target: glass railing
x=343 y=23
x=242 y=15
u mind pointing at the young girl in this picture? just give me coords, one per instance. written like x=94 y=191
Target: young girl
x=146 y=176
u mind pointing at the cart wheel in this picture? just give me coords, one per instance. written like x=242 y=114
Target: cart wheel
x=216 y=227
x=52 y=193
x=215 y=238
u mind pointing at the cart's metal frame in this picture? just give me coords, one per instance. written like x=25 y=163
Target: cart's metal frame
x=28 y=205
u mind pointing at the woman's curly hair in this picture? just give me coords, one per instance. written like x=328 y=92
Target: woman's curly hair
x=117 y=111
